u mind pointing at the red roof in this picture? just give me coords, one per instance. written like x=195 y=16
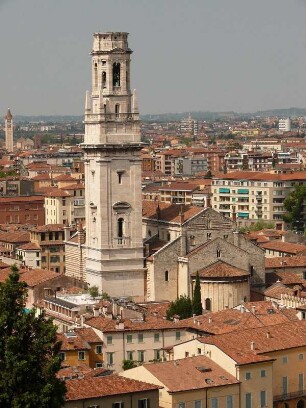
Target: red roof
x=98 y=387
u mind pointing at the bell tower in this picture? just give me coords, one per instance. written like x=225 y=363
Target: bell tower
x=9 y=131
x=112 y=144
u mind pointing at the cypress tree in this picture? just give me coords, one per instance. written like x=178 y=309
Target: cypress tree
x=197 y=302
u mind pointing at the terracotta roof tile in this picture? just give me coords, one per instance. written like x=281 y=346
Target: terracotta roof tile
x=221 y=269
x=286 y=247
x=238 y=345
x=168 y=212
x=287 y=262
x=104 y=386
x=191 y=373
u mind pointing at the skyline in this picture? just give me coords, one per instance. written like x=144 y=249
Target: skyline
x=207 y=56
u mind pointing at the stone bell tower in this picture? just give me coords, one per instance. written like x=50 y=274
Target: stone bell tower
x=9 y=131
x=114 y=248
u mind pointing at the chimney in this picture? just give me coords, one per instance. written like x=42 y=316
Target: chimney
x=67 y=233
x=253 y=345
x=96 y=311
x=242 y=309
x=209 y=320
x=269 y=335
x=253 y=309
x=181 y=214
x=176 y=318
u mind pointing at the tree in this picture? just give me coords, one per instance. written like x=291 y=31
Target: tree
x=197 y=302
x=294 y=205
x=181 y=307
x=128 y=364
x=29 y=352
x=93 y=291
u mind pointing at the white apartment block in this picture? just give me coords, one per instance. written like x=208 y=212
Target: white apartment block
x=253 y=196
x=284 y=125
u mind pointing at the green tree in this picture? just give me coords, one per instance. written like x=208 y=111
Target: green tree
x=181 y=307
x=294 y=205
x=93 y=291
x=197 y=301
x=29 y=352
x=128 y=364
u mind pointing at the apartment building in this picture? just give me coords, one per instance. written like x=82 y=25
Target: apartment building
x=22 y=210
x=65 y=205
x=252 y=196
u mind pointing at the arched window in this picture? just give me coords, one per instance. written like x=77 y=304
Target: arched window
x=166 y=276
x=218 y=253
x=207 y=304
x=117 y=110
x=103 y=79
x=300 y=404
x=120 y=230
x=116 y=74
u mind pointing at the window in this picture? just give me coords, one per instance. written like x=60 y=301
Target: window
x=181 y=405
x=118 y=404
x=301 y=356
x=177 y=335
x=120 y=228
x=120 y=173
x=263 y=399
x=263 y=373
x=156 y=337
x=129 y=338
x=103 y=79
x=141 y=356
x=248 y=375
x=99 y=365
x=218 y=253
x=229 y=401
x=62 y=356
x=285 y=360
x=129 y=355
x=99 y=349
x=207 y=304
x=109 y=339
x=81 y=355
x=248 y=400
x=166 y=276
x=116 y=74
x=214 y=403
x=157 y=355
x=198 y=404
x=285 y=385
x=301 y=382
x=199 y=351
x=140 y=337
x=144 y=403
x=54 y=258
x=110 y=358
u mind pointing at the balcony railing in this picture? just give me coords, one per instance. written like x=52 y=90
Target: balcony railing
x=289 y=395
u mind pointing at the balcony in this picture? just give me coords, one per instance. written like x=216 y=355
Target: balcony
x=289 y=395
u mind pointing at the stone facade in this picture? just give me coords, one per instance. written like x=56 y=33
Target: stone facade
x=206 y=238
x=114 y=249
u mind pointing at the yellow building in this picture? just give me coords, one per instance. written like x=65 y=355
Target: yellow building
x=195 y=382
x=269 y=362
x=81 y=346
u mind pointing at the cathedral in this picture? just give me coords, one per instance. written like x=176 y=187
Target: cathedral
x=146 y=250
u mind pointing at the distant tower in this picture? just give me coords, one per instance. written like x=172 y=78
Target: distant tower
x=9 y=132
x=114 y=248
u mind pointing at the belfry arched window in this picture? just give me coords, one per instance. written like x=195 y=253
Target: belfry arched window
x=103 y=79
x=116 y=74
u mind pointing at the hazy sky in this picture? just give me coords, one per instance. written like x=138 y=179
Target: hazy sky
x=189 y=55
